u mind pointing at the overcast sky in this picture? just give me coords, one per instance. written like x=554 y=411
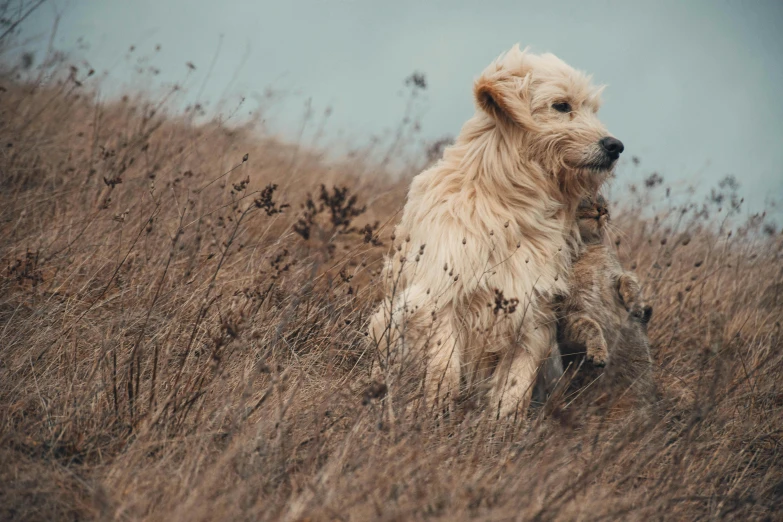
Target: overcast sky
x=695 y=88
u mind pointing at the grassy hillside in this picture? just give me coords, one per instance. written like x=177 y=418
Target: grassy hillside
x=181 y=312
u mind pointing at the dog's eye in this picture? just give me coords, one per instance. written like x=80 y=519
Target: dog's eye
x=562 y=107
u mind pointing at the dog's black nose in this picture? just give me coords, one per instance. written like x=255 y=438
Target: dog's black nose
x=612 y=146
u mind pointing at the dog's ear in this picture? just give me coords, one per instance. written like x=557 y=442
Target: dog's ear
x=504 y=97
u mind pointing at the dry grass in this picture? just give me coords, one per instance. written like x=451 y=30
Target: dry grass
x=172 y=348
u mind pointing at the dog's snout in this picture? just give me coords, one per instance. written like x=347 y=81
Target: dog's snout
x=612 y=146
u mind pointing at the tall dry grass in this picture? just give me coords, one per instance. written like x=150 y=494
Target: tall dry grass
x=181 y=338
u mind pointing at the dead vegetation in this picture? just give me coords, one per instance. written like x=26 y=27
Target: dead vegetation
x=182 y=308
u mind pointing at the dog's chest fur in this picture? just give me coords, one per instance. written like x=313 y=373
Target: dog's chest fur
x=477 y=244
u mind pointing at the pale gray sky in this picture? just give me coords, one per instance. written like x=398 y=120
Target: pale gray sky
x=695 y=87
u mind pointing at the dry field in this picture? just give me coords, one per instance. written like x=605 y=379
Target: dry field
x=181 y=314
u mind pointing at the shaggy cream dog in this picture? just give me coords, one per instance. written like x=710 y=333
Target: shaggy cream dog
x=488 y=232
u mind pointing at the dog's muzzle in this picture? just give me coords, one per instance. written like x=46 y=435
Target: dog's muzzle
x=605 y=154
x=611 y=147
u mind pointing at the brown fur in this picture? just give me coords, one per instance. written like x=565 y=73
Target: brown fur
x=604 y=317
x=601 y=292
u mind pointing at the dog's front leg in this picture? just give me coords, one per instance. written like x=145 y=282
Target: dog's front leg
x=516 y=374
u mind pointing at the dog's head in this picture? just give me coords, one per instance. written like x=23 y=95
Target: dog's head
x=551 y=109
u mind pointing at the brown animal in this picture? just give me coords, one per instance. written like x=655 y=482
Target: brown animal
x=601 y=292
x=603 y=319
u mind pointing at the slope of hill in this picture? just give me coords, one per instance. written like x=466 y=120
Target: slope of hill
x=181 y=311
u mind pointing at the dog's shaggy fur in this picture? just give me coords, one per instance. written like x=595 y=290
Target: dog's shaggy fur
x=495 y=213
